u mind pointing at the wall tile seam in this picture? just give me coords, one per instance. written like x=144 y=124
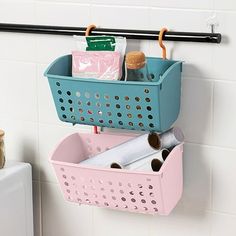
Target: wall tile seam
x=223 y=213
x=40 y=205
x=132 y=7
x=8 y=60
x=194 y=10
x=18 y=120
x=152 y=7
x=37 y=3
x=66 y=126
x=207 y=79
x=210 y=146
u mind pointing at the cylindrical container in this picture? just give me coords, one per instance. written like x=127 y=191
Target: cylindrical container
x=2 y=152
x=170 y=138
x=126 y=153
x=135 y=61
x=149 y=163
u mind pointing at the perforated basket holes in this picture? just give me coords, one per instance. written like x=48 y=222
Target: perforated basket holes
x=111 y=194
x=125 y=110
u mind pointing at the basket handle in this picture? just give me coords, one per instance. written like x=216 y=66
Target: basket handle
x=87 y=33
x=160 y=39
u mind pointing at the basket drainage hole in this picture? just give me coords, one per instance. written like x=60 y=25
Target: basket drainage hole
x=87 y=94
x=150 y=187
x=113 y=197
x=58 y=84
x=59 y=92
x=106 y=96
x=64 y=116
x=133 y=200
x=68 y=93
x=66 y=184
x=106 y=204
x=151 y=194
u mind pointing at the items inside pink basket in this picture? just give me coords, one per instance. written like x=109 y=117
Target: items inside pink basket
x=146 y=152
x=98 y=57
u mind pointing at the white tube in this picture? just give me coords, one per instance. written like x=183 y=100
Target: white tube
x=149 y=163
x=170 y=138
x=128 y=152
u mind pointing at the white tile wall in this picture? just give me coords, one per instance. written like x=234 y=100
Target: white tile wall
x=196 y=108
x=182 y=222
x=223 y=224
x=207 y=114
x=197 y=177
x=62 y=218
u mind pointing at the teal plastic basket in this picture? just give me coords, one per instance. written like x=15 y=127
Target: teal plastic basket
x=138 y=105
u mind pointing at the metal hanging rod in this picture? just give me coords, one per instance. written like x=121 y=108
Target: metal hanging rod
x=129 y=34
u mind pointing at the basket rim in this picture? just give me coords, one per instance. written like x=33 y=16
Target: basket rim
x=91 y=80
x=63 y=163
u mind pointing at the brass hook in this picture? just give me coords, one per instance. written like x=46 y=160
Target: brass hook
x=161 y=33
x=89 y=29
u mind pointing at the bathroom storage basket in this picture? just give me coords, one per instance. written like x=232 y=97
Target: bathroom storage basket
x=139 y=105
x=134 y=191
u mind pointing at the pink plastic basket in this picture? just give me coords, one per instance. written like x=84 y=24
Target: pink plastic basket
x=134 y=191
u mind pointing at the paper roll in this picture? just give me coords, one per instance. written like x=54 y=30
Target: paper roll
x=126 y=153
x=170 y=138
x=149 y=163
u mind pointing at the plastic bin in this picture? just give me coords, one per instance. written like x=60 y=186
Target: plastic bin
x=134 y=191
x=139 y=105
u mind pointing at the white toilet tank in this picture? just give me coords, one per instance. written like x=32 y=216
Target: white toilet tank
x=16 y=212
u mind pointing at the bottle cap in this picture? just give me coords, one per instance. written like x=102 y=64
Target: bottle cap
x=135 y=60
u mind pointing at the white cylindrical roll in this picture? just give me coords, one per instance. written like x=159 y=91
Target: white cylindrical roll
x=149 y=163
x=127 y=152
x=170 y=138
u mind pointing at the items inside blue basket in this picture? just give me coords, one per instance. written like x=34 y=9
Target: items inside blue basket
x=98 y=57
